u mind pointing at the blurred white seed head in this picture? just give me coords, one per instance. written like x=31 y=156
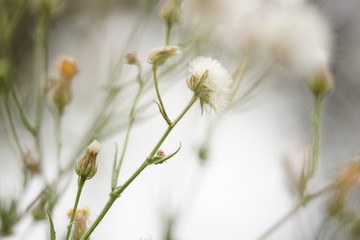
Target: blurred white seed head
x=145 y=236
x=211 y=82
x=287 y=34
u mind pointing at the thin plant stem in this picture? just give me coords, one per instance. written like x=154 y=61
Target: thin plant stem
x=117 y=192
x=81 y=183
x=23 y=117
x=315 y=147
x=57 y=123
x=240 y=75
x=127 y=135
x=305 y=200
x=162 y=108
x=12 y=127
x=167 y=32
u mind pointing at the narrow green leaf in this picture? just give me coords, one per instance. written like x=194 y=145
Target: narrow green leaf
x=52 y=229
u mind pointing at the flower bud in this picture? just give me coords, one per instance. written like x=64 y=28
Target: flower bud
x=87 y=166
x=62 y=90
x=321 y=83
x=68 y=67
x=131 y=58
x=171 y=11
x=159 y=56
x=80 y=222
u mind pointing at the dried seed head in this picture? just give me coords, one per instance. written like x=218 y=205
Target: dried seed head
x=211 y=82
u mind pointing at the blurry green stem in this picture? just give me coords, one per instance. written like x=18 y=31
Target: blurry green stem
x=161 y=104
x=117 y=191
x=81 y=183
x=41 y=72
x=305 y=200
x=129 y=128
x=316 y=121
x=168 y=32
x=57 y=123
x=23 y=117
x=12 y=126
x=239 y=77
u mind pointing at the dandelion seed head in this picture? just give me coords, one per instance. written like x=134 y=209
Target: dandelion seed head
x=287 y=34
x=210 y=80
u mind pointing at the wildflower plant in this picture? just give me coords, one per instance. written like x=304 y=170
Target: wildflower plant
x=216 y=86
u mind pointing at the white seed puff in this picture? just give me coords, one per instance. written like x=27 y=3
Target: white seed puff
x=216 y=82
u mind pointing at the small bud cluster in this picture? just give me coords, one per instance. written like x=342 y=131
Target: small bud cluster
x=86 y=167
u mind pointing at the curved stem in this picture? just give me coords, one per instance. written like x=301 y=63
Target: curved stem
x=117 y=192
x=12 y=127
x=162 y=108
x=81 y=183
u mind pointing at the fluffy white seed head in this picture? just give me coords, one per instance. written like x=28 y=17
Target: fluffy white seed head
x=290 y=35
x=210 y=80
x=94 y=147
x=145 y=236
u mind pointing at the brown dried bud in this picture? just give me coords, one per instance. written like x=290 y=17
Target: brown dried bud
x=87 y=166
x=160 y=153
x=159 y=56
x=131 y=58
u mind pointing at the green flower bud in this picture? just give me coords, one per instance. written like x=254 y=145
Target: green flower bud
x=321 y=83
x=171 y=11
x=87 y=166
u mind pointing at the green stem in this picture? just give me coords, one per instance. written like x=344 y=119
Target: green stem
x=117 y=192
x=316 y=121
x=81 y=183
x=162 y=108
x=57 y=122
x=23 y=117
x=129 y=128
x=305 y=200
x=12 y=127
x=168 y=32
